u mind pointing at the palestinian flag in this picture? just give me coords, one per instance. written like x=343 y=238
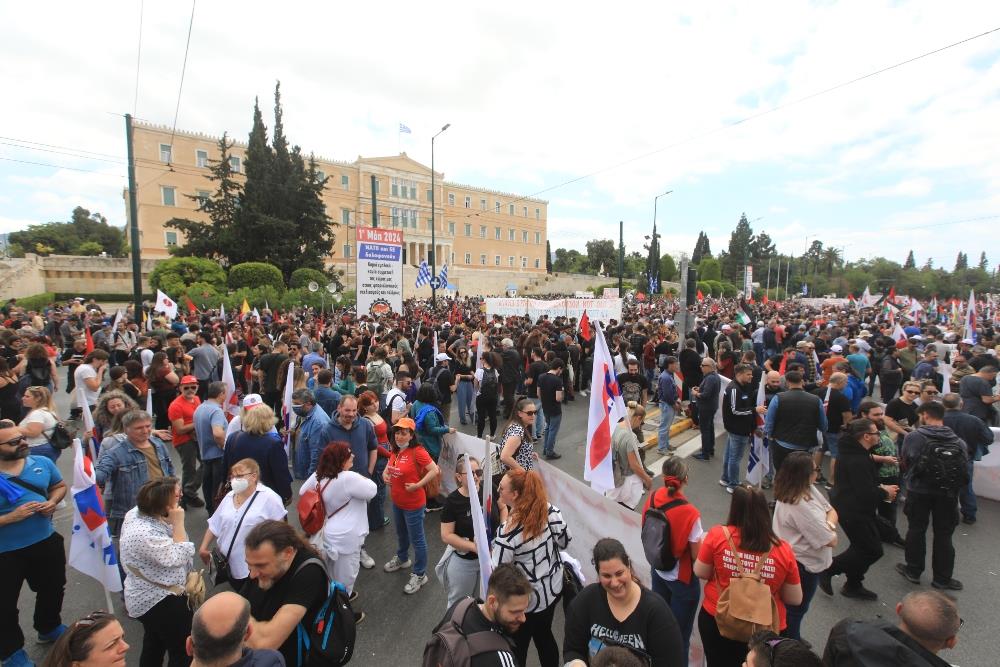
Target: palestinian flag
x=742 y=317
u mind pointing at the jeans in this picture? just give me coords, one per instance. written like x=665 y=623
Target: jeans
x=666 y=420
x=43 y=566
x=551 y=432
x=213 y=474
x=165 y=630
x=466 y=405
x=537 y=626
x=736 y=447
x=463 y=576
x=864 y=550
x=51 y=453
x=832 y=441
x=410 y=529
x=539 y=417
x=376 y=506
x=706 y=424
x=923 y=509
x=966 y=496
x=683 y=601
x=190 y=470
x=795 y=613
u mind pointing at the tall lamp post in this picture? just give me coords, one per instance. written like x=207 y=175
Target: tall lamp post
x=434 y=278
x=654 y=252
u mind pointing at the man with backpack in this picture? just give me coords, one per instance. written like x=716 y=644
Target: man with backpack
x=935 y=464
x=480 y=635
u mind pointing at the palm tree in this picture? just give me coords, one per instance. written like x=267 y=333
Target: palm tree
x=831 y=257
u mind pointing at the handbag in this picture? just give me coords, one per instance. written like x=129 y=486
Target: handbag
x=193 y=588
x=59 y=436
x=220 y=560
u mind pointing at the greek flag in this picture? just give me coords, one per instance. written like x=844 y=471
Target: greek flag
x=403 y=129
x=443 y=276
x=652 y=285
x=423 y=274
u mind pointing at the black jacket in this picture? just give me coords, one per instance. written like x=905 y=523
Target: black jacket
x=738 y=405
x=856 y=492
x=877 y=643
x=510 y=371
x=915 y=445
x=971 y=429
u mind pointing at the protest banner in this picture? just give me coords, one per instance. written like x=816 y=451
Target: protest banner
x=602 y=310
x=379 y=271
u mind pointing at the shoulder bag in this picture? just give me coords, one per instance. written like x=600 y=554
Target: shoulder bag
x=220 y=560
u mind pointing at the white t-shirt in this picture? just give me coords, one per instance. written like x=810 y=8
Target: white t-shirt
x=43 y=417
x=696 y=534
x=146 y=357
x=267 y=506
x=85 y=372
x=345 y=531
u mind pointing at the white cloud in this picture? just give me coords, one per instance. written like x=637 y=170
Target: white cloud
x=911 y=187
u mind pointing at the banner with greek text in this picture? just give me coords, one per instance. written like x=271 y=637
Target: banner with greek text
x=379 y=271
x=597 y=309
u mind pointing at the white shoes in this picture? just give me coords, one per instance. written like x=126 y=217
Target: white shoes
x=367 y=561
x=396 y=564
x=415 y=583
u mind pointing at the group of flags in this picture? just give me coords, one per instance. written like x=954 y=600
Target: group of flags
x=164 y=304
x=424 y=275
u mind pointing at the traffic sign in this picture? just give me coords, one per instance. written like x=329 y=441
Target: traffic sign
x=435 y=283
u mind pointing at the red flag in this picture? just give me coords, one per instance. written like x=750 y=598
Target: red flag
x=701 y=297
x=585 y=326
x=90 y=339
x=190 y=305
x=751 y=301
x=892 y=295
x=764 y=300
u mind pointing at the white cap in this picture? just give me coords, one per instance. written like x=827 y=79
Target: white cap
x=252 y=401
x=441 y=356
x=836 y=348
x=968 y=341
x=726 y=327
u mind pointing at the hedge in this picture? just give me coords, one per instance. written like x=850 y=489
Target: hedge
x=302 y=277
x=175 y=274
x=255 y=274
x=37 y=301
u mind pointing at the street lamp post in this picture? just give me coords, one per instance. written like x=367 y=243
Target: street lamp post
x=433 y=223
x=654 y=250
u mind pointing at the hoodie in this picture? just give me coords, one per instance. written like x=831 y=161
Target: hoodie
x=915 y=445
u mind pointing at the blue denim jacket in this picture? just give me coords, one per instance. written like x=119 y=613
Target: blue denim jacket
x=311 y=443
x=124 y=468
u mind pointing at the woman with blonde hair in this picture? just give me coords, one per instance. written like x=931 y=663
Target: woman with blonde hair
x=38 y=424
x=630 y=476
x=258 y=441
x=531 y=535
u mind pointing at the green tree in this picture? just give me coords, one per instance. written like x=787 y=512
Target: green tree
x=635 y=269
x=709 y=269
x=302 y=277
x=569 y=261
x=668 y=268
x=961 y=262
x=64 y=238
x=176 y=274
x=548 y=257
x=89 y=248
x=605 y=252
x=702 y=248
x=983 y=263
x=911 y=263
x=255 y=274
x=739 y=251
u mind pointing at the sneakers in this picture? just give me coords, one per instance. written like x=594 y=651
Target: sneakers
x=552 y=456
x=359 y=617
x=50 y=636
x=702 y=456
x=583 y=392
x=367 y=561
x=19 y=659
x=415 y=583
x=352 y=598
x=906 y=574
x=950 y=585
x=730 y=489
x=968 y=520
x=723 y=482
x=826 y=582
x=859 y=593
x=396 y=564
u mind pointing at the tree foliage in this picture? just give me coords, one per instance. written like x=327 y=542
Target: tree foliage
x=911 y=262
x=69 y=238
x=710 y=269
x=176 y=274
x=548 y=257
x=602 y=252
x=668 y=268
x=702 y=248
x=255 y=274
x=302 y=277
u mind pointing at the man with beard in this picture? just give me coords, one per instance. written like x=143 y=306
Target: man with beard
x=288 y=583
x=30 y=548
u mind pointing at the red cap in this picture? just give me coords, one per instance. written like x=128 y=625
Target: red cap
x=189 y=379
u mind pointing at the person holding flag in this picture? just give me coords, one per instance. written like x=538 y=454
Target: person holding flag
x=30 y=548
x=459 y=567
x=606 y=409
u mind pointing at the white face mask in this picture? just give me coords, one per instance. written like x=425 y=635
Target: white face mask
x=239 y=484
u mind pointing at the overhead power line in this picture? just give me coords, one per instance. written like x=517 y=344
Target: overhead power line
x=180 y=87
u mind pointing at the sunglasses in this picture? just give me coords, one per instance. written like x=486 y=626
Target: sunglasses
x=92 y=618
x=189 y=387
x=529 y=412
x=772 y=644
x=911 y=391
x=14 y=441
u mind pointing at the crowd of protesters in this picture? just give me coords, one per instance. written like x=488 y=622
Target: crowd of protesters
x=370 y=404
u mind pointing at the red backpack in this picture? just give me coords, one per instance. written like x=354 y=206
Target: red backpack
x=312 y=511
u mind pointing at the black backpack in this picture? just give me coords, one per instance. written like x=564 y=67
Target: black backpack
x=327 y=640
x=943 y=464
x=41 y=374
x=656 y=536
x=488 y=385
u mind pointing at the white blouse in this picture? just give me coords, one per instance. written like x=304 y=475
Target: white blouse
x=267 y=506
x=147 y=544
x=345 y=531
x=43 y=417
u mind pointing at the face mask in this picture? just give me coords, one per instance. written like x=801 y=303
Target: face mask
x=239 y=484
x=299 y=410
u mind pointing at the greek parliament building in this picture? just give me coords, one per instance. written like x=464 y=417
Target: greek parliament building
x=490 y=240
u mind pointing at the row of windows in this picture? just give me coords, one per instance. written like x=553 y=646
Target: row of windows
x=497 y=206
x=235 y=163
x=497 y=259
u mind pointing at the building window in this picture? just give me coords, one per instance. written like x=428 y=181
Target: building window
x=430 y=194
x=166 y=153
x=496 y=260
x=451 y=199
x=345 y=181
x=169 y=195
x=201 y=158
x=538 y=238
x=511 y=209
x=452 y=259
x=511 y=234
x=524 y=236
x=510 y=261
x=235 y=164
x=377 y=191
x=496 y=206
x=524 y=262
x=468 y=202
x=537 y=262
x=468 y=258
x=320 y=175
x=170 y=238
x=468 y=229
x=430 y=224
x=451 y=228
x=347 y=251
x=496 y=233
x=395 y=217
x=482 y=260
x=345 y=217
x=203 y=197
x=538 y=214
x=395 y=187
x=482 y=231
x=482 y=204
x=525 y=210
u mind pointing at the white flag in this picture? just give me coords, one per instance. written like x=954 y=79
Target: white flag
x=88 y=423
x=232 y=402
x=118 y=319
x=606 y=409
x=286 y=405
x=90 y=548
x=165 y=305
x=482 y=536
x=222 y=312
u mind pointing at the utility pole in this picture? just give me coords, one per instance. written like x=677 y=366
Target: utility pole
x=133 y=229
x=682 y=313
x=434 y=276
x=374 y=201
x=621 y=258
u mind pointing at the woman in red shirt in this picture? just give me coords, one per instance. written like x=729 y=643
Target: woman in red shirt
x=409 y=471
x=679 y=587
x=749 y=525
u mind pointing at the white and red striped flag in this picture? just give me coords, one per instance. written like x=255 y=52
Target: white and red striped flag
x=606 y=409
x=232 y=402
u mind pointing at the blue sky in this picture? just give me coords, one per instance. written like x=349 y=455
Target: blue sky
x=540 y=94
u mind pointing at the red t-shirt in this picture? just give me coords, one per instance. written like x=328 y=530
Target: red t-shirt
x=182 y=409
x=779 y=568
x=408 y=467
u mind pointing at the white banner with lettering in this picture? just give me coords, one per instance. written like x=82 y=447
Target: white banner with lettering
x=986 y=472
x=597 y=309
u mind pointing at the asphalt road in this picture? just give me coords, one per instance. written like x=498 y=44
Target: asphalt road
x=398 y=625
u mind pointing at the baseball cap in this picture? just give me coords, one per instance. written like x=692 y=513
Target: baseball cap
x=726 y=327
x=865 y=333
x=968 y=341
x=406 y=422
x=836 y=348
x=189 y=379
x=252 y=401
x=442 y=356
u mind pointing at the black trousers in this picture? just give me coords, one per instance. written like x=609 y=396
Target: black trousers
x=888 y=511
x=706 y=424
x=719 y=651
x=538 y=627
x=509 y=394
x=213 y=473
x=43 y=566
x=864 y=550
x=166 y=628
x=486 y=408
x=941 y=513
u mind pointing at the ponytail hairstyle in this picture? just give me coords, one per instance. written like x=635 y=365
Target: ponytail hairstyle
x=635 y=409
x=675 y=474
x=531 y=509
